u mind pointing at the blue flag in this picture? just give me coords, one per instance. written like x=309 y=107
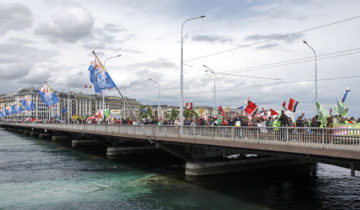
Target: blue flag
x=28 y=105
x=7 y=111
x=64 y=110
x=144 y=110
x=99 y=76
x=13 y=109
x=345 y=95
x=48 y=96
x=2 y=114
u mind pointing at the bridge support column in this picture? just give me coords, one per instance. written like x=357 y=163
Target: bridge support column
x=352 y=168
x=32 y=133
x=114 y=152
x=59 y=138
x=44 y=136
x=203 y=168
x=76 y=143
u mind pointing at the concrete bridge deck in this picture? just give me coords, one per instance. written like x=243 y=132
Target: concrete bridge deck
x=332 y=143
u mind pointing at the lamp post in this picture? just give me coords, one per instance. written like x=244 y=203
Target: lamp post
x=316 y=88
x=181 y=74
x=213 y=72
x=68 y=102
x=103 y=92
x=158 y=98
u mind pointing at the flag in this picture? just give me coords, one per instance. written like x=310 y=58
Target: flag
x=2 y=114
x=284 y=105
x=7 y=111
x=273 y=112
x=292 y=105
x=28 y=105
x=342 y=108
x=48 y=96
x=251 y=108
x=99 y=76
x=144 y=110
x=227 y=109
x=221 y=111
x=14 y=109
x=241 y=107
x=322 y=112
x=188 y=106
x=201 y=111
x=107 y=113
x=99 y=116
x=64 y=110
x=345 y=95
x=18 y=108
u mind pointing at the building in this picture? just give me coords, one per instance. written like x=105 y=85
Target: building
x=71 y=104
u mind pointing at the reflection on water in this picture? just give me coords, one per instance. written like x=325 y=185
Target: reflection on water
x=40 y=174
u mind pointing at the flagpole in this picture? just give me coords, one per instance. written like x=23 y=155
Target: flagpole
x=126 y=102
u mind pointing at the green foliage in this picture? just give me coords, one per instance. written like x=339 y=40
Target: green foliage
x=190 y=113
x=174 y=114
x=147 y=114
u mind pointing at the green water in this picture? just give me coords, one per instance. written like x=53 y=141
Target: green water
x=37 y=174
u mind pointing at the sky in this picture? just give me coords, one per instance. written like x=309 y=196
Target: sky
x=43 y=40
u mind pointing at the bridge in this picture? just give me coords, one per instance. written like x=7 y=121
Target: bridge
x=198 y=144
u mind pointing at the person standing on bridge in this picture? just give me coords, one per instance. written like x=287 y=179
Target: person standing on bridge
x=284 y=122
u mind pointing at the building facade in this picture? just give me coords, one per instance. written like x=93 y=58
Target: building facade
x=70 y=104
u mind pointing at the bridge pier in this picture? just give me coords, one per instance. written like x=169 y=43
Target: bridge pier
x=352 y=168
x=44 y=136
x=114 y=152
x=33 y=133
x=59 y=138
x=204 y=168
x=76 y=143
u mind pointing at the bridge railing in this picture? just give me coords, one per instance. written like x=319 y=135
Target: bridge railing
x=326 y=138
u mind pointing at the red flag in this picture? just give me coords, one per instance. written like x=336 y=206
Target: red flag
x=292 y=105
x=99 y=115
x=188 y=106
x=284 y=105
x=221 y=111
x=85 y=86
x=33 y=119
x=273 y=112
x=251 y=108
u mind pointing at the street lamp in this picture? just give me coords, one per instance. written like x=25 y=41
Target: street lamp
x=316 y=88
x=103 y=92
x=213 y=72
x=158 y=96
x=181 y=74
x=68 y=102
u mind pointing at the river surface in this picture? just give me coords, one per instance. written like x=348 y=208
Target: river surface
x=39 y=174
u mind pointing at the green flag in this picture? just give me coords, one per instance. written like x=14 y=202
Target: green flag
x=322 y=112
x=342 y=108
x=107 y=113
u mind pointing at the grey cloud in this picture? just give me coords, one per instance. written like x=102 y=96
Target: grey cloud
x=260 y=37
x=70 y=26
x=14 y=17
x=159 y=63
x=212 y=38
x=17 y=53
x=113 y=28
x=267 y=46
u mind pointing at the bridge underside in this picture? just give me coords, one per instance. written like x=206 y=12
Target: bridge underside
x=204 y=156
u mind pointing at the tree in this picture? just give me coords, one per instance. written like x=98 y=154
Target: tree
x=148 y=112
x=190 y=113
x=174 y=114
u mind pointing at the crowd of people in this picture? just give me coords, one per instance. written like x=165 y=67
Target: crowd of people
x=236 y=120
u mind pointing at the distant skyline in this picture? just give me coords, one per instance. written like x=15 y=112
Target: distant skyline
x=53 y=39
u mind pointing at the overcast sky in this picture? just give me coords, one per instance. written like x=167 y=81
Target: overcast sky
x=52 y=40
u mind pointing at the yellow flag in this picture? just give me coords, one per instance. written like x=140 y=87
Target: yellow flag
x=201 y=111
x=227 y=109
